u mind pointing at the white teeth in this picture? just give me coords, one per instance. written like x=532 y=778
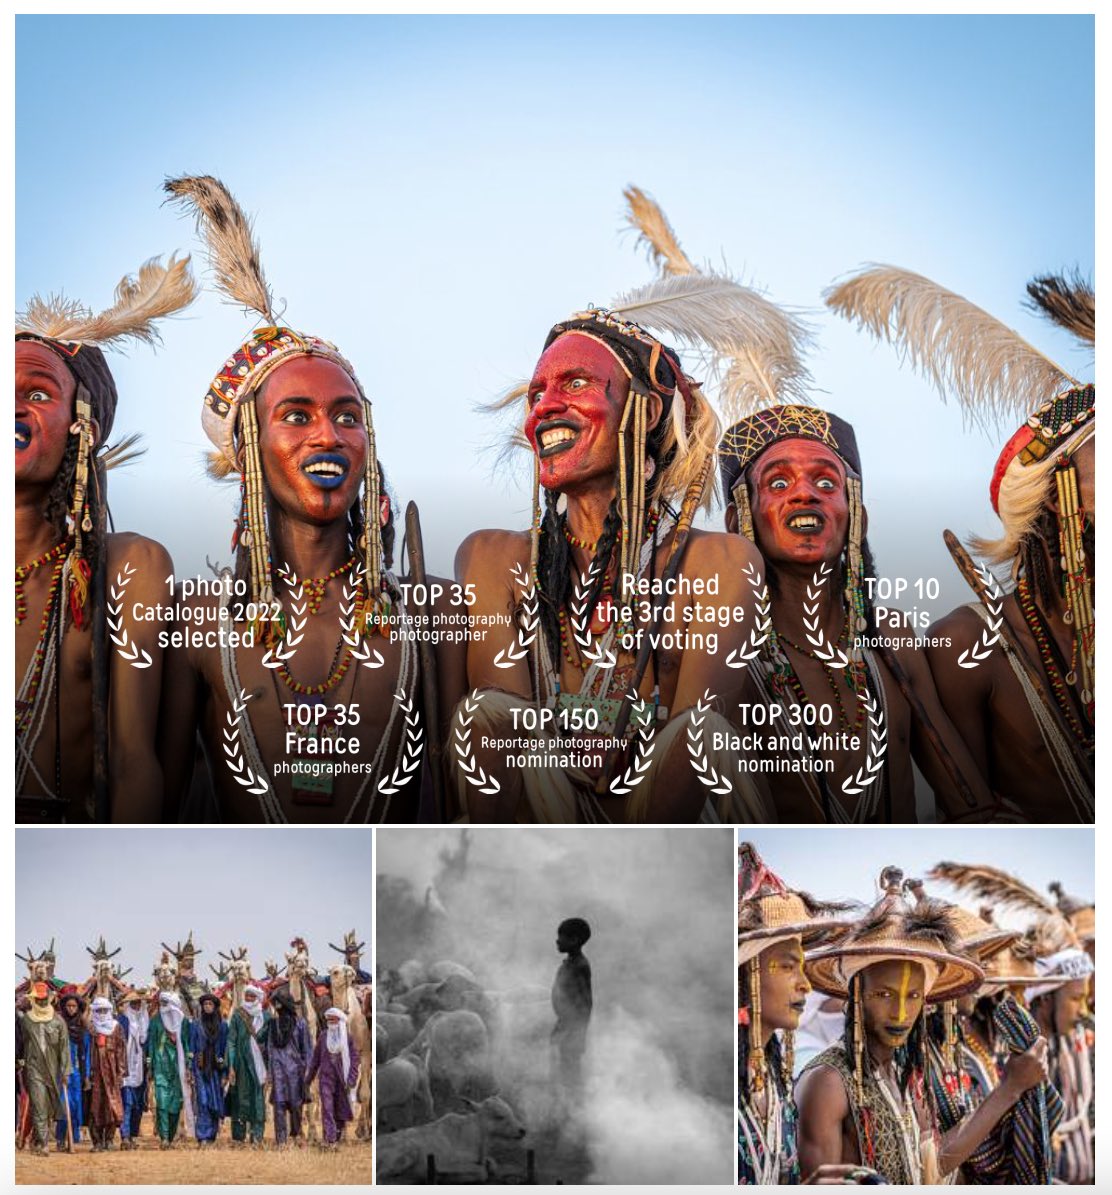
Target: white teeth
x=803 y=521
x=326 y=467
x=556 y=435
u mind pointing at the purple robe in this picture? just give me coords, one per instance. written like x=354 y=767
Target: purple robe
x=335 y=1106
x=286 y=1064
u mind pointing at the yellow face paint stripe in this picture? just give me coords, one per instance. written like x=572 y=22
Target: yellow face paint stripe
x=905 y=985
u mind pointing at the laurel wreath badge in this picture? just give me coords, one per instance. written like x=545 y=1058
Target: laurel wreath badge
x=740 y=657
x=367 y=656
x=469 y=765
x=129 y=651
x=528 y=622
x=990 y=635
x=284 y=649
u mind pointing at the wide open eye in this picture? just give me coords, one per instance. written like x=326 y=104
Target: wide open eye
x=38 y=396
x=824 y=483
x=778 y=483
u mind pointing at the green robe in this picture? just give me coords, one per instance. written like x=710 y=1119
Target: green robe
x=46 y=1067
x=244 y=1100
x=163 y=1055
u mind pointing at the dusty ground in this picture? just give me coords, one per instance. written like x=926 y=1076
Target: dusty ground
x=353 y=1162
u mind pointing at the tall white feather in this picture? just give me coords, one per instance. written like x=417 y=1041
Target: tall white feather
x=990 y=369
x=756 y=347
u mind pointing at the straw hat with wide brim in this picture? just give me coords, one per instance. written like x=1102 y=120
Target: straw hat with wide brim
x=979 y=937
x=782 y=917
x=769 y=912
x=893 y=931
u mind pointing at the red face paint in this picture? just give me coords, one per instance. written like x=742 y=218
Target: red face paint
x=44 y=394
x=798 y=499
x=312 y=441
x=576 y=397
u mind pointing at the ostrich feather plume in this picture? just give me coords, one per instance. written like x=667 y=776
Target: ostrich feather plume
x=233 y=251
x=1069 y=302
x=141 y=300
x=993 y=372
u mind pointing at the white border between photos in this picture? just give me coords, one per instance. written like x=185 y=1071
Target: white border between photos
x=1103 y=39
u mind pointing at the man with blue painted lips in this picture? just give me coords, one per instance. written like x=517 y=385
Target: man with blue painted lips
x=294 y=695
x=86 y=718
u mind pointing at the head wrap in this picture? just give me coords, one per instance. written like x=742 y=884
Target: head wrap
x=1058 y=969
x=337 y=1038
x=138 y=1025
x=252 y=1008
x=171 y=1015
x=75 y=1022
x=103 y=1021
x=1059 y=426
x=229 y=407
x=75 y=334
x=745 y=440
x=37 y=1013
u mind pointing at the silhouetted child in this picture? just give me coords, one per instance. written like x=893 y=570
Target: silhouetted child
x=571 y=1001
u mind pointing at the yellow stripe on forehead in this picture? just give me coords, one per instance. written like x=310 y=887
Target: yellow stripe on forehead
x=905 y=987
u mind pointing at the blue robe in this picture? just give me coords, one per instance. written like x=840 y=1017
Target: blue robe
x=81 y=1063
x=135 y=1098
x=210 y=1067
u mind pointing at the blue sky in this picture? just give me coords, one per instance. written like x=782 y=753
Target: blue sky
x=231 y=886
x=433 y=193
x=846 y=863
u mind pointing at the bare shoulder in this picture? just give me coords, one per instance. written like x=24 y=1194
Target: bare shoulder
x=710 y=552
x=961 y=624
x=822 y=1086
x=490 y=549
x=143 y=554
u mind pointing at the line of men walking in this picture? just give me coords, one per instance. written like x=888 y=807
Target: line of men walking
x=95 y=1068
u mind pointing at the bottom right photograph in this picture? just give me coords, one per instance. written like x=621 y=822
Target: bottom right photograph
x=916 y=1006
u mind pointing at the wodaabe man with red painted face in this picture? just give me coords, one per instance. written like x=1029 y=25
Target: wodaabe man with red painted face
x=87 y=689
x=622 y=443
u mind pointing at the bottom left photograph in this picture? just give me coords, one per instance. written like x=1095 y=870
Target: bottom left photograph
x=193 y=1005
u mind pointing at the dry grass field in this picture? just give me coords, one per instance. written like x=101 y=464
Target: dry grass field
x=352 y=1162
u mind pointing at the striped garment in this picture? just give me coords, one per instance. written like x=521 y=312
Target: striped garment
x=1073 y=1075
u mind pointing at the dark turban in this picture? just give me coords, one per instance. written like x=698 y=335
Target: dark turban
x=90 y=369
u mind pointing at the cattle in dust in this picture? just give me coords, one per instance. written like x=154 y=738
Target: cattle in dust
x=403 y=1098
x=459 y=1142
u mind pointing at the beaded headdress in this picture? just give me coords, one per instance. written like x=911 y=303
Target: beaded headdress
x=228 y=414
x=78 y=335
x=996 y=375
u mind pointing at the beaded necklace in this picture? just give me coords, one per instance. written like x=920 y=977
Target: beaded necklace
x=855 y=678
x=341 y=662
x=606 y=594
x=1059 y=684
x=25 y=706
x=315 y=586
x=23 y=571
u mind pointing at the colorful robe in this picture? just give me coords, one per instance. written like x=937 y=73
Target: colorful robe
x=108 y=1071
x=210 y=1067
x=286 y=1064
x=80 y=1052
x=244 y=1100
x=46 y=1063
x=335 y=1103
x=163 y=1055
